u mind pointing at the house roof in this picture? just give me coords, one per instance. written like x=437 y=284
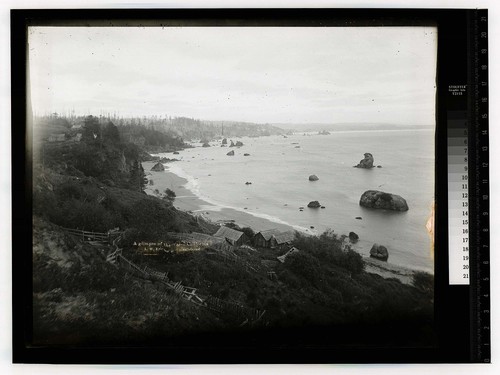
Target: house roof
x=267 y=234
x=228 y=233
x=284 y=237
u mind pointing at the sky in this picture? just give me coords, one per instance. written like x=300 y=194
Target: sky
x=253 y=74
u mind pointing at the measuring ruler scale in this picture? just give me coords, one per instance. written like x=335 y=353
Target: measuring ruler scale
x=458 y=196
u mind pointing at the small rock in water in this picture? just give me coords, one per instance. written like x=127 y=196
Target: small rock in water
x=246 y=154
x=301 y=208
x=313 y=177
x=359 y=218
x=323 y=207
x=230 y=153
x=314 y=204
x=367 y=162
x=248 y=183
x=245 y=208
x=379 y=166
x=311 y=227
x=379 y=252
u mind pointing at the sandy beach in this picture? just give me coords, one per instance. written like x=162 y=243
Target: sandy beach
x=187 y=201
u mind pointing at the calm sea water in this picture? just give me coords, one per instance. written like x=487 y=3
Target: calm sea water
x=279 y=167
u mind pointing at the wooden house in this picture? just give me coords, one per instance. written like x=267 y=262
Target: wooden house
x=284 y=240
x=265 y=238
x=232 y=236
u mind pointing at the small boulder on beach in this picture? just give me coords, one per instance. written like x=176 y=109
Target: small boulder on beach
x=176 y=153
x=224 y=141
x=248 y=183
x=379 y=252
x=239 y=144
x=246 y=154
x=206 y=144
x=314 y=204
x=158 y=167
x=359 y=218
x=313 y=177
x=353 y=237
x=230 y=153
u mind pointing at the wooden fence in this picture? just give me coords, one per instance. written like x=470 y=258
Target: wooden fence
x=87 y=236
x=234 y=309
x=188 y=293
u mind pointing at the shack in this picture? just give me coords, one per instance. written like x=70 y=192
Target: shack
x=284 y=240
x=234 y=237
x=265 y=238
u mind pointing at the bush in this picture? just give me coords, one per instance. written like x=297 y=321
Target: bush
x=351 y=261
x=305 y=265
x=424 y=282
x=169 y=194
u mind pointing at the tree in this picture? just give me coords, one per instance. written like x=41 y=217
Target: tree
x=111 y=133
x=91 y=128
x=169 y=194
x=137 y=176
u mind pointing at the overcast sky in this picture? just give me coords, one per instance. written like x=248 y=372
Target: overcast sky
x=275 y=75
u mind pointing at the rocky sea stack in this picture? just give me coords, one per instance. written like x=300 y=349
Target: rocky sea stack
x=158 y=167
x=314 y=204
x=379 y=252
x=381 y=200
x=313 y=177
x=367 y=162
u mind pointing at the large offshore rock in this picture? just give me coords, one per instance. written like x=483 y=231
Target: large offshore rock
x=380 y=200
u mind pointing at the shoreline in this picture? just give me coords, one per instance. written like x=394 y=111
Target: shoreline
x=189 y=202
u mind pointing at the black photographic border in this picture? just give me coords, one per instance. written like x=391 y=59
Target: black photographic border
x=454 y=310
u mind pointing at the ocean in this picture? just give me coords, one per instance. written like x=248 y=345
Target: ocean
x=278 y=169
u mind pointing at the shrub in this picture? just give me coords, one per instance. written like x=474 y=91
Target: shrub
x=424 y=282
x=305 y=265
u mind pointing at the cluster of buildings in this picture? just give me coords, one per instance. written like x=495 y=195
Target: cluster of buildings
x=272 y=238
